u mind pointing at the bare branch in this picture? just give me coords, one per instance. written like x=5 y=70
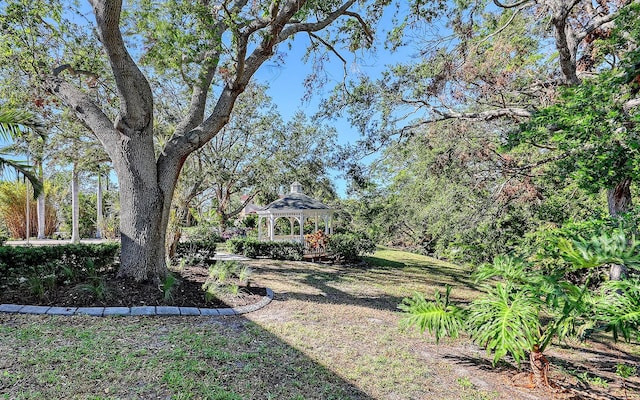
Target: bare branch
x=330 y=47
x=503 y=27
x=509 y=112
x=595 y=24
x=513 y=5
x=364 y=25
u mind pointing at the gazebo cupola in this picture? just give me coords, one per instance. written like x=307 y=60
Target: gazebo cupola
x=296 y=207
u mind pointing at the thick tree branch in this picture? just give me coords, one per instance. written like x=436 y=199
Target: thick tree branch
x=86 y=110
x=595 y=24
x=136 y=98
x=633 y=103
x=512 y=5
x=488 y=115
x=364 y=25
x=315 y=26
x=277 y=31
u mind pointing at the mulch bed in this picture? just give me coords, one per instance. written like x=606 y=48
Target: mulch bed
x=126 y=293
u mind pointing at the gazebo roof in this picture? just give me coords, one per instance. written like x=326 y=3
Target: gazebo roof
x=294 y=201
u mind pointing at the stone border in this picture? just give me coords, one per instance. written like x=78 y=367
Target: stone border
x=138 y=311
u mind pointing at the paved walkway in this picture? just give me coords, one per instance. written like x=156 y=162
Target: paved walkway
x=222 y=256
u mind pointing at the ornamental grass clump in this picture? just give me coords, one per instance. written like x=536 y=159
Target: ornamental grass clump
x=226 y=277
x=525 y=308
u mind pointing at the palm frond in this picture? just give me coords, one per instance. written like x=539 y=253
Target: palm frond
x=14 y=121
x=439 y=317
x=24 y=169
x=505 y=322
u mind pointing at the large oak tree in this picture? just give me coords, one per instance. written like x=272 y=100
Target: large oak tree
x=215 y=48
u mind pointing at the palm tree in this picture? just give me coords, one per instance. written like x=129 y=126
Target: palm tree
x=13 y=123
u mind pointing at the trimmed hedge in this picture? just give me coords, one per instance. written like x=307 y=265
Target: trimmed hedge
x=350 y=247
x=66 y=262
x=253 y=248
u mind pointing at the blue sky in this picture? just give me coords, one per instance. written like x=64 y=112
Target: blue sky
x=287 y=89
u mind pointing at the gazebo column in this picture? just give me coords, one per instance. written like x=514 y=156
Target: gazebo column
x=301 y=228
x=316 y=230
x=272 y=223
x=291 y=224
x=326 y=225
x=259 y=227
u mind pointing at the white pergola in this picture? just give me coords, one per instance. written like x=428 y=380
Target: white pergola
x=295 y=207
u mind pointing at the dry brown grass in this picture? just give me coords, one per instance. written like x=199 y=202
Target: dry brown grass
x=13 y=205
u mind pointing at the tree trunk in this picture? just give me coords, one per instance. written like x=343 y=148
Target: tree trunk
x=41 y=216
x=539 y=368
x=181 y=218
x=619 y=201
x=41 y=203
x=143 y=208
x=619 y=198
x=142 y=234
x=99 y=208
x=75 y=206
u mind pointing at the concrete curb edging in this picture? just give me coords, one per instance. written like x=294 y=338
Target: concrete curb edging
x=136 y=311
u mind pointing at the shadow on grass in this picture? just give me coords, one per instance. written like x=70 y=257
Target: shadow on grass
x=157 y=357
x=378 y=283
x=325 y=292
x=434 y=269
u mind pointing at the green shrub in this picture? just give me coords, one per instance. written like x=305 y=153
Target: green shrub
x=253 y=248
x=285 y=250
x=349 y=247
x=236 y=246
x=194 y=252
x=69 y=263
x=202 y=233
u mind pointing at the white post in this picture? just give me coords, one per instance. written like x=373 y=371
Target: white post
x=301 y=228
x=259 y=227
x=27 y=211
x=326 y=225
x=316 y=230
x=271 y=227
x=99 y=212
x=75 y=206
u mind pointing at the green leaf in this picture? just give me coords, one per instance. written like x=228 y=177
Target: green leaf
x=619 y=308
x=438 y=317
x=505 y=322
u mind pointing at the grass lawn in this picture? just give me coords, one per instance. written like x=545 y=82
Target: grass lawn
x=330 y=333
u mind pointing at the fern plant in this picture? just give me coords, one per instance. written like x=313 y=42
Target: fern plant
x=167 y=286
x=524 y=309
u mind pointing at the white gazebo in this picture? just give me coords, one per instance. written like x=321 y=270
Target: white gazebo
x=295 y=207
